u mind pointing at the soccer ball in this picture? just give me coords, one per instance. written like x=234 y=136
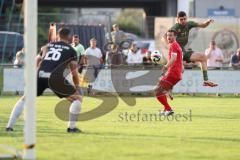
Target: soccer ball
x=156 y=57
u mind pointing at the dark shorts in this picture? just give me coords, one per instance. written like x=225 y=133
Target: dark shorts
x=61 y=87
x=166 y=83
x=187 y=54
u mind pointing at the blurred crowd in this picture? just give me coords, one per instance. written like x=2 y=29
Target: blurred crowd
x=133 y=55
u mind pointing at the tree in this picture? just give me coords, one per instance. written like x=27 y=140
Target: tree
x=131 y=20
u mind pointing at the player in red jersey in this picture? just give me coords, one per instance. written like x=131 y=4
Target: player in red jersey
x=174 y=69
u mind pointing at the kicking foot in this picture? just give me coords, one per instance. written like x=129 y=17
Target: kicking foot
x=209 y=84
x=9 y=129
x=168 y=113
x=73 y=130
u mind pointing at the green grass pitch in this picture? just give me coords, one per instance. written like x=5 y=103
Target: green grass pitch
x=213 y=132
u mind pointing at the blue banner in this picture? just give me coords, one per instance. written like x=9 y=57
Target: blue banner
x=224 y=12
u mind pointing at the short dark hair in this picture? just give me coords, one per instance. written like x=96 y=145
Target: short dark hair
x=213 y=42
x=181 y=14
x=173 y=31
x=114 y=46
x=75 y=36
x=63 y=32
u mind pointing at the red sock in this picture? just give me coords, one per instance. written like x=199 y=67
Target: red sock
x=163 y=99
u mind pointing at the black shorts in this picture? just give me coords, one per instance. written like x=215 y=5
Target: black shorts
x=187 y=55
x=61 y=87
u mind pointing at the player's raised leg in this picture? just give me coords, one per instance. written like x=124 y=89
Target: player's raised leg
x=202 y=58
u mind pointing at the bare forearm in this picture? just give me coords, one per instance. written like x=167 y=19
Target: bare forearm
x=76 y=80
x=171 y=61
x=208 y=52
x=74 y=71
x=205 y=23
x=220 y=60
x=38 y=61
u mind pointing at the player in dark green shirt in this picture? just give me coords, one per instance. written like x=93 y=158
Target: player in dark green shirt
x=182 y=27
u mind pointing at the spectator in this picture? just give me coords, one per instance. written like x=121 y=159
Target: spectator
x=19 y=61
x=134 y=55
x=94 y=56
x=235 y=60
x=214 y=56
x=79 y=48
x=94 y=59
x=107 y=35
x=114 y=56
x=147 y=60
x=117 y=35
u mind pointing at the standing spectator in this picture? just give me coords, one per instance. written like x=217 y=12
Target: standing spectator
x=147 y=58
x=117 y=35
x=235 y=60
x=19 y=61
x=94 y=58
x=134 y=55
x=114 y=56
x=214 y=56
x=94 y=55
x=107 y=35
x=79 y=48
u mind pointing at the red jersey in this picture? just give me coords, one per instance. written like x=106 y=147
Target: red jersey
x=175 y=69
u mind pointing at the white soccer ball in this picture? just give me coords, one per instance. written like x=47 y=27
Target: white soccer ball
x=156 y=57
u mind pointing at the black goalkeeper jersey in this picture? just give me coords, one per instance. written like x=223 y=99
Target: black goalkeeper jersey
x=57 y=58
